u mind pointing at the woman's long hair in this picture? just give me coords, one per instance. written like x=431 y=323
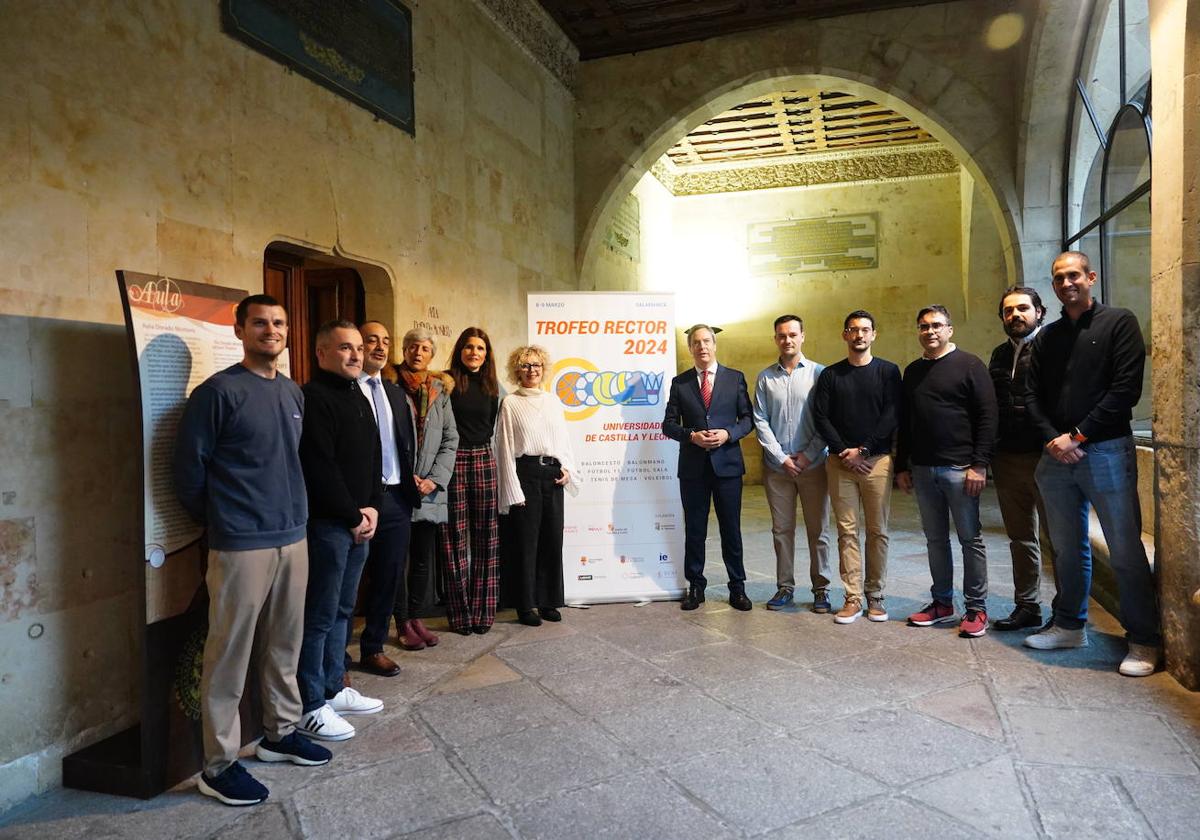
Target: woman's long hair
x=487 y=373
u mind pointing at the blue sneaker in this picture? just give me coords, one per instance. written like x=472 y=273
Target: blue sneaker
x=821 y=602
x=293 y=748
x=233 y=787
x=782 y=598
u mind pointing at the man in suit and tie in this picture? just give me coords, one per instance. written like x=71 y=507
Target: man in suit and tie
x=708 y=412
x=389 y=546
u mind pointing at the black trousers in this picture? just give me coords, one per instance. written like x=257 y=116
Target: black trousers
x=384 y=569
x=416 y=596
x=531 y=540
x=725 y=494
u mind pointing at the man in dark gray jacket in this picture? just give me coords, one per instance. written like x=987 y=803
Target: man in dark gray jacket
x=237 y=471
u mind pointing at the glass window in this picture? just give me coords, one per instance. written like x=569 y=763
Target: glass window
x=1106 y=185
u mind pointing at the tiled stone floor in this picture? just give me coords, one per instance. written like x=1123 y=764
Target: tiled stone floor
x=646 y=722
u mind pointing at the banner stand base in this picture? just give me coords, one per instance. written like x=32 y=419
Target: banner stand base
x=113 y=765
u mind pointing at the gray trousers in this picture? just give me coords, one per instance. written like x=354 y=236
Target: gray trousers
x=1024 y=521
x=255 y=614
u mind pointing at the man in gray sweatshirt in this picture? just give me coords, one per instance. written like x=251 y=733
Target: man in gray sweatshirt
x=237 y=471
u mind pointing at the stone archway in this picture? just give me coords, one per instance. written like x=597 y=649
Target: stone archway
x=633 y=108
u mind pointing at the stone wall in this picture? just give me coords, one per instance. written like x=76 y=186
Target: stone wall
x=139 y=136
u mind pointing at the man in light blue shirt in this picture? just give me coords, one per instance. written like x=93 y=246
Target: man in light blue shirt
x=794 y=461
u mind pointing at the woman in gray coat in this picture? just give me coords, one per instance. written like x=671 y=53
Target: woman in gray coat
x=437 y=445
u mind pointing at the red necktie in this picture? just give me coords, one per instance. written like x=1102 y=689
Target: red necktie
x=705 y=389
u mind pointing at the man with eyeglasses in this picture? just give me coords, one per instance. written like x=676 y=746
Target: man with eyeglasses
x=947 y=435
x=855 y=407
x=1085 y=377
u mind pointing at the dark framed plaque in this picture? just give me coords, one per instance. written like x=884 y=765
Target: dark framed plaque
x=359 y=49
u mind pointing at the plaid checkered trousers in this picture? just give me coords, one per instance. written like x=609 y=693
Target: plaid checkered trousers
x=469 y=541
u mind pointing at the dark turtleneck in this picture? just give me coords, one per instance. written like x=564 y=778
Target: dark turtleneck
x=474 y=412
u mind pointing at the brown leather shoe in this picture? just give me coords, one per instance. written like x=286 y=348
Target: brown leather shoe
x=408 y=637
x=379 y=664
x=421 y=630
x=345 y=679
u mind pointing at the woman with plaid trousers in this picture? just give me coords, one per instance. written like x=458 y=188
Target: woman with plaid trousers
x=470 y=544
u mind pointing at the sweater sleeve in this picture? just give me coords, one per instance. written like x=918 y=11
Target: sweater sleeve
x=199 y=430
x=508 y=487
x=890 y=412
x=821 y=400
x=985 y=415
x=1033 y=378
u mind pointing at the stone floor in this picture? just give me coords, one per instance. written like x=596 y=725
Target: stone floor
x=648 y=722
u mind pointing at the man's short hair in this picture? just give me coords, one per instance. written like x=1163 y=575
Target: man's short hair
x=416 y=335
x=1034 y=298
x=855 y=315
x=690 y=331
x=326 y=329
x=783 y=319
x=936 y=307
x=243 y=307
x=1084 y=260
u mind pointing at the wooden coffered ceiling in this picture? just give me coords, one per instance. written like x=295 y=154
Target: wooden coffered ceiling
x=602 y=28
x=795 y=122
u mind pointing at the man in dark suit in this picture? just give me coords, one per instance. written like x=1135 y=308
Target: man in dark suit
x=708 y=412
x=389 y=546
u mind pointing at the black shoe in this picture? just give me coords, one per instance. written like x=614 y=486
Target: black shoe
x=1019 y=619
x=693 y=598
x=529 y=618
x=234 y=786
x=550 y=613
x=481 y=629
x=739 y=601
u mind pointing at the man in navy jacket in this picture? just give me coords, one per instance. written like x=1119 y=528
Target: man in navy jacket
x=708 y=412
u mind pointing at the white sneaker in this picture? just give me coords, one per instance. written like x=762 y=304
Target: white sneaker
x=349 y=702
x=1055 y=637
x=325 y=724
x=1141 y=661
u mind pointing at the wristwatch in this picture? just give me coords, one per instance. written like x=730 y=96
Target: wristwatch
x=1078 y=436
x=863 y=452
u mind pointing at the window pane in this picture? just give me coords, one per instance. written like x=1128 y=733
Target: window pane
x=1127 y=264
x=1100 y=70
x=1083 y=188
x=1137 y=46
x=1129 y=159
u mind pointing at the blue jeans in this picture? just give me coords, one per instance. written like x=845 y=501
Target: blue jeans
x=1106 y=479
x=941 y=494
x=334 y=566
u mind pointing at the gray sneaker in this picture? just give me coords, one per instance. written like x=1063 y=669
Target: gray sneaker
x=1055 y=637
x=1141 y=661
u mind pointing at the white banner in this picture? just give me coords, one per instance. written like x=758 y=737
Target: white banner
x=612 y=359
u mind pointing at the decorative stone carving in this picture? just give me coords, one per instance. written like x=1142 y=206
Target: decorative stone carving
x=538 y=34
x=830 y=168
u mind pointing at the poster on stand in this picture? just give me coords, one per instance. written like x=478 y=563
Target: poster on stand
x=612 y=358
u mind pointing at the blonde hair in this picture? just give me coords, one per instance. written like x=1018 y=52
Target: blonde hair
x=523 y=352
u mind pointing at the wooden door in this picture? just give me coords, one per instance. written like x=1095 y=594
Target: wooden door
x=312 y=293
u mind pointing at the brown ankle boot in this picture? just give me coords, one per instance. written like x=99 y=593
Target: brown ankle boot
x=421 y=630
x=409 y=638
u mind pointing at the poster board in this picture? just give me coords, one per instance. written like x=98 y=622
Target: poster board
x=179 y=333
x=612 y=359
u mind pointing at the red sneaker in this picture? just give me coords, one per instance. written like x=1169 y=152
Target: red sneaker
x=934 y=613
x=974 y=624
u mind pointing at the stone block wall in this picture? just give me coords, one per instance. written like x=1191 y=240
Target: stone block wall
x=139 y=136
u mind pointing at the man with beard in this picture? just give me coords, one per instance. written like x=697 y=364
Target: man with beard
x=1018 y=449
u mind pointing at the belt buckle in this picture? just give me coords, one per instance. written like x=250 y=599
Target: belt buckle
x=545 y=461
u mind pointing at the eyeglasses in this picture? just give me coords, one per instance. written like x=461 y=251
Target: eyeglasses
x=531 y=366
x=934 y=327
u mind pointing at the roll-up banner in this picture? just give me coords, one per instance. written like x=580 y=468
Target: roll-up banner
x=612 y=357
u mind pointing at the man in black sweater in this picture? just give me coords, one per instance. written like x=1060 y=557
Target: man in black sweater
x=1018 y=450
x=1085 y=377
x=343 y=469
x=947 y=434
x=855 y=408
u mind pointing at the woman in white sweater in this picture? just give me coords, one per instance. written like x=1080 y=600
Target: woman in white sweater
x=533 y=464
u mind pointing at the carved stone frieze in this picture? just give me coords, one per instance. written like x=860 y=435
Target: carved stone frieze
x=538 y=34
x=890 y=165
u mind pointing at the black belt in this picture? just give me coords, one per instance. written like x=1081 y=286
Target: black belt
x=540 y=460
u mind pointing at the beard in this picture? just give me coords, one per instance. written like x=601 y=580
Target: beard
x=1018 y=329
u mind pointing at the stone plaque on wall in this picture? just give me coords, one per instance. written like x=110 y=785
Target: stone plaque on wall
x=834 y=243
x=625 y=232
x=359 y=49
